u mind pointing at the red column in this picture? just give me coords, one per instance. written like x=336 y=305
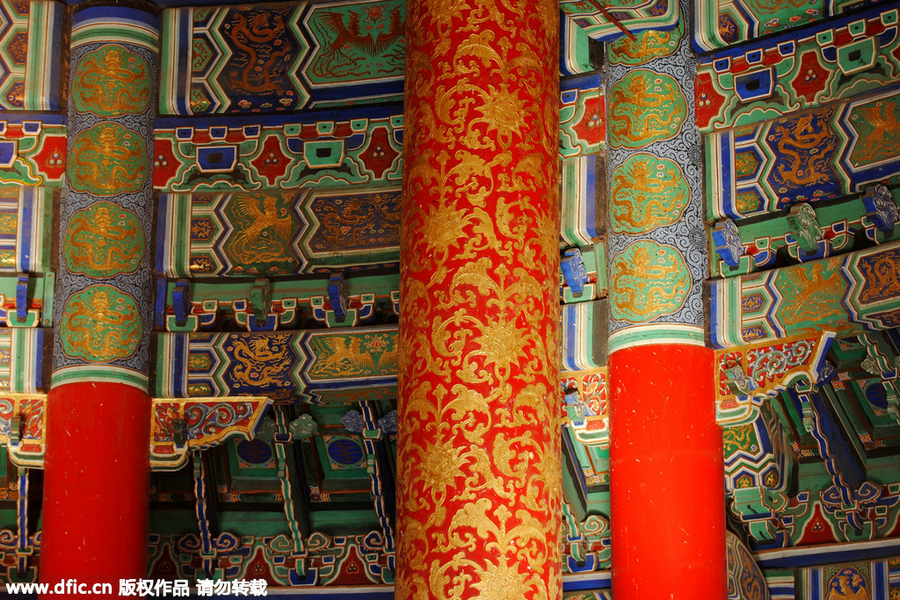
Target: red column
x=479 y=465
x=96 y=484
x=667 y=475
x=96 y=477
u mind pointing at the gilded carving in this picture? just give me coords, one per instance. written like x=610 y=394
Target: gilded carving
x=100 y=324
x=647 y=192
x=648 y=280
x=353 y=355
x=811 y=294
x=876 y=125
x=881 y=275
x=849 y=583
x=107 y=159
x=357 y=222
x=805 y=145
x=357 y=36
x=260 y=362
x=103 y=240
x=263 y=50
x=263 y=227
x=646 y=107
x=646 y=46
x=111 y=81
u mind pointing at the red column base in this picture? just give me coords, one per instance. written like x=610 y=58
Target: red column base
x=667 y=476
x=96 y=486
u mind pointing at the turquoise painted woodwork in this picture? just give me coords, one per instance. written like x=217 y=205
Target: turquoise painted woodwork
x=758 y=454
x=32 y=149
x=21 y=360
x=209 y=305
x=843 y=226
x=278 y=233
x=582 y=116
x=718 y=24
x=335 y=149
x=578 y=53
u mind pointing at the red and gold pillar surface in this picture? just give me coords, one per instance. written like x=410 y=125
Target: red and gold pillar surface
x=667 y=492
x=96 y=480
x=479 y=483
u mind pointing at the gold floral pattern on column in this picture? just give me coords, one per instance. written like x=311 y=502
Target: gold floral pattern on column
x=479 y=485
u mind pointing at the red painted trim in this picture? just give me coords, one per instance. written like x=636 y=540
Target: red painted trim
x=96 y=484
x=667 y=485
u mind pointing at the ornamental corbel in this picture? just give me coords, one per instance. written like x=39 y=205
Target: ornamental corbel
x=303 y=427
x=805 y=228
x=747 y=375
x=760 y=510
x=574 y=271
x=179 y=426
x=880 y=361
x=738 y=382
x=337 y=295
x=23 y=423
x=882 y=211
x=727 y=240
x=261 y=302
x=181 y=301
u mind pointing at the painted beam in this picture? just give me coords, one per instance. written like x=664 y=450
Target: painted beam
x=765 y=167
x=318 y=366
x=271 y=233
x=32 y=149
x=718 y=24
x=606 y=21
x=315 y=55
x=207 y=154
x=582 y=115
x=31 y=47
x=849 y=294
x=804 y=69
x=844 y=460
x=827 y=554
